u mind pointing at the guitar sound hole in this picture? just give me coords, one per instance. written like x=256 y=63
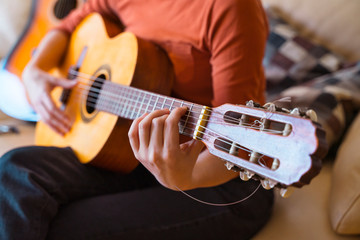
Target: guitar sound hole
x=63 y=7
x=94 y=93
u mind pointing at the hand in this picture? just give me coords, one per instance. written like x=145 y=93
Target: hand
x=39 y=85
x=154 y=139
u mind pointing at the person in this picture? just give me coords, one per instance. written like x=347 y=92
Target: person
x=216 y=48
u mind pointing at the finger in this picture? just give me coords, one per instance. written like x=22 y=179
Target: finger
x=172 y=127
x=145 y=126
x=193 y=147
x=56 y=115
x=157 y=131
x=134 y=133
x=46 y=118
x=62 y=82
x=55 y=111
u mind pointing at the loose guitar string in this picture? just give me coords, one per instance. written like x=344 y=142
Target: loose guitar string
x=121 y=97
x=220 y=204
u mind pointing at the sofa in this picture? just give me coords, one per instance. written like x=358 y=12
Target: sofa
x=327 y=208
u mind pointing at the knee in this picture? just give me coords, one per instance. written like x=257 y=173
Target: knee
x=19 y=160
x=11 y=161
x=14 y=156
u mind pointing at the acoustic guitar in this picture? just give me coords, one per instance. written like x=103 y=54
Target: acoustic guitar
x=117 y=80
x=44 y=15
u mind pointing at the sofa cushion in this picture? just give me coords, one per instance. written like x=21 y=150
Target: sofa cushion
x=291 y=59
x=329 y=22
x=345 y=191
x=334 y=97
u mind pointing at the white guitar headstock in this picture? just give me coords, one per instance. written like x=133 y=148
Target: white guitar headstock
x=279 y=147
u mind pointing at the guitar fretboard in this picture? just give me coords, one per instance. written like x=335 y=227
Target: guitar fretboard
x=131 y=103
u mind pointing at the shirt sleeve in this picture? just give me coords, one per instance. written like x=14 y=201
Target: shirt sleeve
x=237 y=36
x=102 y=7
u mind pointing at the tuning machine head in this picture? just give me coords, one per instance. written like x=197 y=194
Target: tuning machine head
x=286 y=192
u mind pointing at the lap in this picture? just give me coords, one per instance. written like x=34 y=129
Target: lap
x=159 y=213
x=96 y=204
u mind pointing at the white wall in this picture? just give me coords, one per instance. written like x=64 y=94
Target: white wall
x=14 y=15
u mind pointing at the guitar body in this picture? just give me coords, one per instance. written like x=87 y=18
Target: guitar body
x=98 y=137
x=44 y=15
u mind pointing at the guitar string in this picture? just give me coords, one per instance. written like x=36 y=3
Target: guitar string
x=228 y=141
x=220 y=204
x=87 y=78
x=235 y=120
x=92 y=102
x=222 y=140
x=120 y=97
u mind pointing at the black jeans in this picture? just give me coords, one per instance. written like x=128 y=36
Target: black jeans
x=45 y=193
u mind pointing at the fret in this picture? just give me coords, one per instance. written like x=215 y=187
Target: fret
x=156 y=101
x=125 y=104
x=187 y=118
x=117 y=102
x=136 y=106
x=138 y=114
x=172 y=103
x=163 y=104
x=168 y=105
x=148 y=104
x=131 y=104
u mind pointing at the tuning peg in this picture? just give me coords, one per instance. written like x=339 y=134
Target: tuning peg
x=295 y=112
x=286 y=192
x=285 y=110
x=229 y=165
x=270 y=106
x=245 y=175
x=268 y=183
x=250 y=103
x=312 y=115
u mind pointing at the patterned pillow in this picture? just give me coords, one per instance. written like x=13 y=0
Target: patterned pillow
x=334 y=97
x=291 y=59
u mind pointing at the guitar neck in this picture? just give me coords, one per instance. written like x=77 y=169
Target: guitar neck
x=131 y=103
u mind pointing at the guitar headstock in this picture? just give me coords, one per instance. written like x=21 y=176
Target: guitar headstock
x=279 y=147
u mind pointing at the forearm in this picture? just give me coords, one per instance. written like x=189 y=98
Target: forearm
x=39 y=83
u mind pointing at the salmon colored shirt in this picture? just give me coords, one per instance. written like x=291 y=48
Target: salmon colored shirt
x=216 y=46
